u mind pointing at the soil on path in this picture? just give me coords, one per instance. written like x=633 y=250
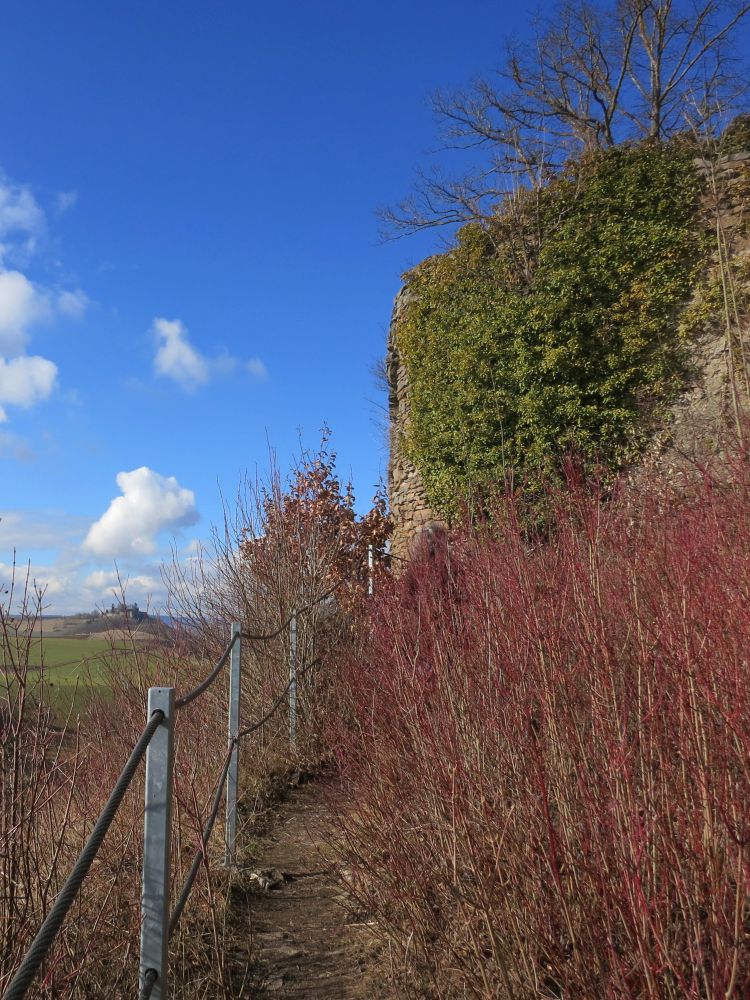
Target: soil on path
x=305 y=942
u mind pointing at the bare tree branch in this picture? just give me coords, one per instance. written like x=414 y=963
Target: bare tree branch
x=592 y=78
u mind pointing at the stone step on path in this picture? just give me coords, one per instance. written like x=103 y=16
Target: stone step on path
x=304 y=944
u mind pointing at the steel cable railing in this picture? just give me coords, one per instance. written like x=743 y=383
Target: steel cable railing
x=149 y=981
x=205 y=835
x=201 y=851
x=48 y=931
x=205 y=684
x=278 y=703
x=295 y=614
x=45 y=937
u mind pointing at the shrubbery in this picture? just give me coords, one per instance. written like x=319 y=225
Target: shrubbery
x=283 y=547
x=545 y=753
x=555 y=326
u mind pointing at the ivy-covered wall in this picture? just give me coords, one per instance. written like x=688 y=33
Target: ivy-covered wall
x=556 y=329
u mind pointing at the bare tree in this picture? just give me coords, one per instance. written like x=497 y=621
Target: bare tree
x=590 y=79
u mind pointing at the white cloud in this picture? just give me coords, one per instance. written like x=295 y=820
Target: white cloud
x=73 y=304
x=150 y=503
x=176 y=358
x=67 y=591
x=51 y=539
x=20 y=213
x=46 y=528
x=21 y=304
x=25 y=381
x=52 y=580
x=105 y=583
x=66 y=200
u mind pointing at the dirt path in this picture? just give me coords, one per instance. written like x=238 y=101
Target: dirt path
x=304 y=942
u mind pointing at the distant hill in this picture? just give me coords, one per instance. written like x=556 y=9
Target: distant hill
x=101 y=624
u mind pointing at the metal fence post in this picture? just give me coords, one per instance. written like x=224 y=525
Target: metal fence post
x=157 y=831
x=293 y=682
x=230 y=827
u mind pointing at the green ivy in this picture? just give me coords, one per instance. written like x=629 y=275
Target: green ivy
x=511 y=368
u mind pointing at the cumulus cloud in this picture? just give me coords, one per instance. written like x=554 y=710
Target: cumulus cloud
x=51 y=579
x=68 y=591
x=150 y=503
x=48 y=543
x=176 y=358
x=20 y=213
x=28 y=379
x=21 y=304
x=25 y=381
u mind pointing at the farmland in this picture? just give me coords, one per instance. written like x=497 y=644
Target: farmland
x=66 y=672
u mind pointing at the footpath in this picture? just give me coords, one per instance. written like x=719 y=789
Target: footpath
x=305 y=943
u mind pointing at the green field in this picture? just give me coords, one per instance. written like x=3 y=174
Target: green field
x=64 y=652
x=68 y=672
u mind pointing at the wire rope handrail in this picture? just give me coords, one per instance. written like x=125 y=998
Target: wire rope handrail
x=206 y=683
x=206 y=833
x=295 y=614
x=47 y=933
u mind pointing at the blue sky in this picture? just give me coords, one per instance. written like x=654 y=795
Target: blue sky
x=191 y=267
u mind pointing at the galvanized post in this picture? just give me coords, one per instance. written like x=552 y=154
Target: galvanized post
x=370 y=570
x=230 y=827
x=293 y=682
x=157 y=830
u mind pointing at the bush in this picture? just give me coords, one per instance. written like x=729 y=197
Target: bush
x=55 y=779
x=282 y=549
x=545 y=754
x=515 y=356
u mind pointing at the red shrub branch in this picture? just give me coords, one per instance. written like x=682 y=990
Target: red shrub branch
x=546 y=753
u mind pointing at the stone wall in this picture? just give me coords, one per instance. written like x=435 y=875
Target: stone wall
x=702 y=420
x=696 y=424
x=409 y=508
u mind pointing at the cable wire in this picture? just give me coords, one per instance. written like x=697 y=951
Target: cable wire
x=187 y=885
x=48 y=931
x=199 y=854
x=279 y=701
x=196 y=692
x=299 y=611
x=42 y=943
x=149 y=981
